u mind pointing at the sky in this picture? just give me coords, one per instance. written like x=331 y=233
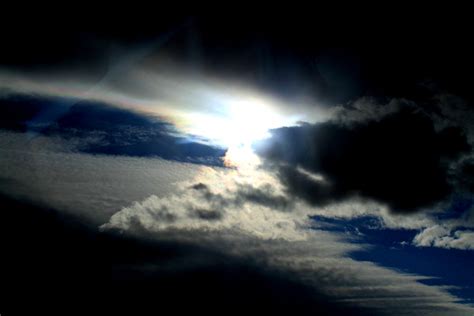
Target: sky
x=238 y=164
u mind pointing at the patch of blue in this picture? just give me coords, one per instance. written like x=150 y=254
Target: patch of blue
x=447 y=266
x=459 y=204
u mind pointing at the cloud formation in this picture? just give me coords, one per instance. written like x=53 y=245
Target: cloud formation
x=397 y=158
x=229 y=220
x=443 y=237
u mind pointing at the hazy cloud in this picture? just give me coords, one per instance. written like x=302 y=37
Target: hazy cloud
x=47 y=170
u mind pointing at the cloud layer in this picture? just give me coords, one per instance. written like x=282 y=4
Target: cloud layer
x=48 y=170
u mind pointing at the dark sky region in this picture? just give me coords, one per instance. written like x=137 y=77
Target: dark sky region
x=278 y=165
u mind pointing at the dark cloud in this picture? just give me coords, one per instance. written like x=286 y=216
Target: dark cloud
x=49 y=48
x=206 y=214
x=465 y=175
x=333 y=60
x=18 y=111
x=399 y=160
x=263 y=195
x=101 y=129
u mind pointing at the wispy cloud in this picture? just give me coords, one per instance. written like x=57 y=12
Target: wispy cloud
x=49 y=170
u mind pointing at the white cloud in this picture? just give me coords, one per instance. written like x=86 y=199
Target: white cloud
x=445 y=237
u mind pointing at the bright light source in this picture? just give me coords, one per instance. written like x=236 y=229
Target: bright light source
x=239 y=123
x=235 y=122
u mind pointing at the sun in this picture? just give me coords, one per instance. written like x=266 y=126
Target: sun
x=237 y=123
x=232 y=118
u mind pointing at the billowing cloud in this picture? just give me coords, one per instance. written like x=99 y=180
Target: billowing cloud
x=443 y=237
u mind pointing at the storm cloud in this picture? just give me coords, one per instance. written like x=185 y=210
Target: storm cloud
x=398 y=159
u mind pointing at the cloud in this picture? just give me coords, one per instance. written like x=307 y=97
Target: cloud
x=284 y=239
x=465 y=174
x=120 y=274
x=455 y=232
x=161 y=87
x=244 y=214
x=366 y=109
x=377 y=160
x=47 y=170
x=454 y=110
x=257 y=211
x=443 y=237
x=398 y=159
x=194 y=42
x=103 y=129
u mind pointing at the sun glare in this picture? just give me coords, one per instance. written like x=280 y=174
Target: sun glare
x=239 y=123
x=241 y=157
x=236 y=127
x=233 y=120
